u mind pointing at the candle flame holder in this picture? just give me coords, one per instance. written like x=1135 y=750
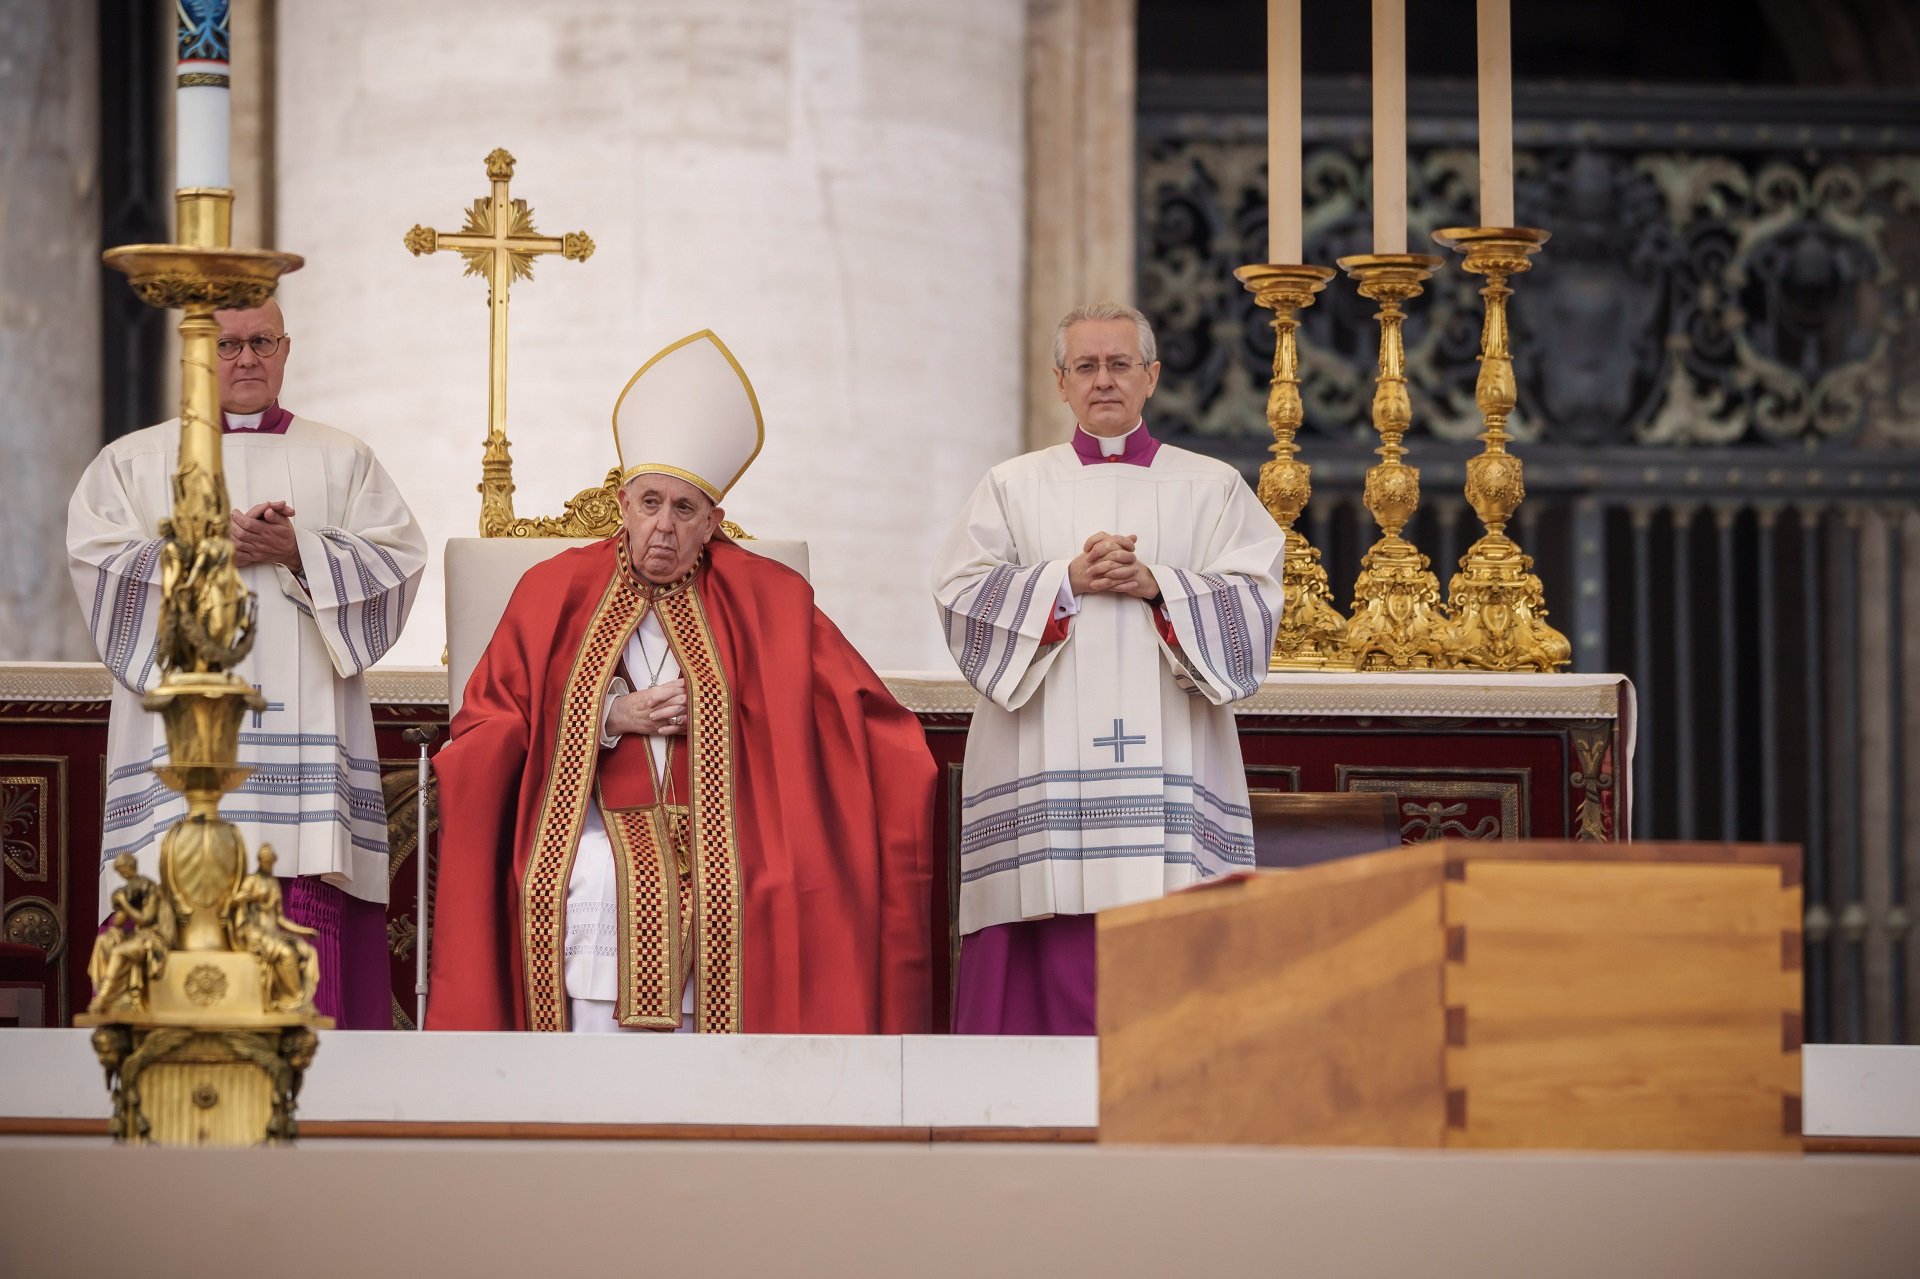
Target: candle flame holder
x=1397 y=613
x=1311 y=634
x=1496 y=602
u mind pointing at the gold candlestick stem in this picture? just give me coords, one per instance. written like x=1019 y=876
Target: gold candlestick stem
x=1497 y=605
x=1311 y=633
x=203 y=990
x=1396 y=600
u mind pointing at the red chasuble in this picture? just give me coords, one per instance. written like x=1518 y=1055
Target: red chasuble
x=786 y=869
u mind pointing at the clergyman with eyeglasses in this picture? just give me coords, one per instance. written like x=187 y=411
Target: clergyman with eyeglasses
x=1110 y=598
x=323 y=538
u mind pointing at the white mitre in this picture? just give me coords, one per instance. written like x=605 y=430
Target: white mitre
x=689 y=412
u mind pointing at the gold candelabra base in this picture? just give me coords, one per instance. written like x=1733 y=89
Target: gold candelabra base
x=1311 y=633
x=186 y=1085
x=1396 y=600
x=1496 y=604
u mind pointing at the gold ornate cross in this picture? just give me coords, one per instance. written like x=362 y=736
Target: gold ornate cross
x=499 y=242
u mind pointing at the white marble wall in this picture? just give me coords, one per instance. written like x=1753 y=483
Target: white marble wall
x=835 y=187
x=49 y=314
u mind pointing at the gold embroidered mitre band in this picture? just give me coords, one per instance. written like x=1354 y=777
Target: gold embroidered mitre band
x=689 y=412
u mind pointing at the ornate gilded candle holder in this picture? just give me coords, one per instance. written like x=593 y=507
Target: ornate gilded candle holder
x=1397 y=614
x=203 y=989
x=1497 y=605
x=1312 y=633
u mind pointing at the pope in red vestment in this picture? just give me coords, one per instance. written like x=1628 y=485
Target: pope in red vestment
x=773 y=876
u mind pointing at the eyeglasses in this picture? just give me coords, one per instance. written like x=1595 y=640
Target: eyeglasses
x=262 y=346
x=1119 y=366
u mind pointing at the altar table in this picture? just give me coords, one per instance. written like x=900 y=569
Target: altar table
x=1466 y=756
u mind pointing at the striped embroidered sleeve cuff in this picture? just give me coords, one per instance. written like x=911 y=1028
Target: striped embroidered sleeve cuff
x=1225 y=630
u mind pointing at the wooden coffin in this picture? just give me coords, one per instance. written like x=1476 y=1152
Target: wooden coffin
x=1530 y=994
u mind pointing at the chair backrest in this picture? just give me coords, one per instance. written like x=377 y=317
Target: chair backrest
x=481 y=575
x=1301 y=829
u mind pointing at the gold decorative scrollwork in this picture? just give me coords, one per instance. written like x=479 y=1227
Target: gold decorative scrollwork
x=205 y=985
x=1431 y=798
x=593 y=512
x=23 y=826
x=220 y=292
x=1435 y=820
x=1594 y=777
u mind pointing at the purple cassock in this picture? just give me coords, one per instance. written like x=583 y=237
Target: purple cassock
x=350 y=943
x=1037 y=976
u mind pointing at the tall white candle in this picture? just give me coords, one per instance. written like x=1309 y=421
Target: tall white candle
x=1389 y=126
x=200 y=103
x=1496 y=113
x=1284 y=192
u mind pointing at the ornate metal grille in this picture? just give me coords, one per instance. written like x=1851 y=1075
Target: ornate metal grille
x=1714 y=279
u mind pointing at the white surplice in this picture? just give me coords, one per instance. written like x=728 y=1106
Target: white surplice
x=1105 y=769
x=315 y=790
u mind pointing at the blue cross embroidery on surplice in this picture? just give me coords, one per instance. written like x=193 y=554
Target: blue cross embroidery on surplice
x=271 y=706
x=1119 y=741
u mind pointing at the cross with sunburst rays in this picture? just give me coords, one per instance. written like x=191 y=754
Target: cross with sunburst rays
x=498 y=242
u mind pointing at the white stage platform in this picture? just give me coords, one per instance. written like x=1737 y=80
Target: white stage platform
x=860 y=1085
x=808 y=1082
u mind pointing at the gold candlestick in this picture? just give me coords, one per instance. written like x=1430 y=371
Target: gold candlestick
x=1396 y=601
x=1497 y=604
x=1311 y=631
x=203 y=990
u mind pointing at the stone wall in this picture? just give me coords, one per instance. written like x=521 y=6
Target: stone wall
x=49 y=314
x=837 y=190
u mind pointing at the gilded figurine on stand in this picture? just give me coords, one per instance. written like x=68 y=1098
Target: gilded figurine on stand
x=132 y=952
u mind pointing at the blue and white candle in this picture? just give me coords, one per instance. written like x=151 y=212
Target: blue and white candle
x=200 y=107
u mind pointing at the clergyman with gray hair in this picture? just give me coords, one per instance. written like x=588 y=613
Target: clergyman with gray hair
x=1110 y=598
